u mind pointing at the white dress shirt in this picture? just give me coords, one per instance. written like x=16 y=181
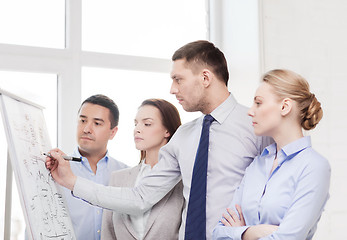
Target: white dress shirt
x=139 y=221
x=232 y=148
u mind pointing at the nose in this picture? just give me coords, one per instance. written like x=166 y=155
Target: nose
x=250 y=112
x=137 y=129
x=87 y=128
x=173 y=89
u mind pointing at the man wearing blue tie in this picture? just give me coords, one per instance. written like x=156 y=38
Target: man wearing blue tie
x=210 y=159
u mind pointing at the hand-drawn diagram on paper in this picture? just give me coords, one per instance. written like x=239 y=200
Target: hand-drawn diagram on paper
x=42 y=202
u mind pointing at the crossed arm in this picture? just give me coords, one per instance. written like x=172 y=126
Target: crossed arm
x=299 y=220
x=232 y=219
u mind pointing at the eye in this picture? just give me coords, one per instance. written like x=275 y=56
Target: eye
x=177 y=80
x=148 y=124
x=98 y=123
x=257 y=103
x=82 y=120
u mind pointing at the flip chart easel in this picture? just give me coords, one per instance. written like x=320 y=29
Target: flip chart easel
x=42 y=202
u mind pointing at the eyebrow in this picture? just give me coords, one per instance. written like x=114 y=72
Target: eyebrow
x=95 y=119
x=143 y=119
x=174 y=76
x=147 y=119
x=99 y=119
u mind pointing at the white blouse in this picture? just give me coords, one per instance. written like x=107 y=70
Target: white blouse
x=139 y=221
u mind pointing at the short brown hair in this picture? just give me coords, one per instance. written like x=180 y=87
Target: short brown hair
x=204 y=54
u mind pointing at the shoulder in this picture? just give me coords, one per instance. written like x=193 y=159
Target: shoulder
x=188 y=126
x=314 y=160
x=239 y=124
x=125 y=171
x=123 y=175
x=184 y=131
x=310 y=166
x=115 y=164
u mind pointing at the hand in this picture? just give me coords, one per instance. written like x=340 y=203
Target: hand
x=258 y=231
x=60 y=169
x=51 y=163
x=232 y=219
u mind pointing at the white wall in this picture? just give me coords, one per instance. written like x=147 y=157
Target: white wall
x=306 y=36
x=234 y=28
x=310 y=37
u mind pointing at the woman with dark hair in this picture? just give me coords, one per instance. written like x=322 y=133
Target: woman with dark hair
x=155 y=123
x=284 y=190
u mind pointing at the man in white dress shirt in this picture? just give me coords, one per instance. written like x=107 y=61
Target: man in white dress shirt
x=200 y=83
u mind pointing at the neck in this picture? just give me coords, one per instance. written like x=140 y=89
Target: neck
x=216 y=98
x=287 y=134
x=93 y=158
x=152 y=157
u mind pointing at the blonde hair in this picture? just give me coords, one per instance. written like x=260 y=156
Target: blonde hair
x=288 y=84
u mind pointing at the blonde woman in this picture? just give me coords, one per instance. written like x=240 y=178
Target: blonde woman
x=284 y=190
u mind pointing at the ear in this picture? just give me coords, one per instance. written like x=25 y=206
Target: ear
x=286 y=107
x=113 y=132
x=207 y=77
x=167 y=134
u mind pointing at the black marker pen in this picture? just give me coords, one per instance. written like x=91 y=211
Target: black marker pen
x=67 y=158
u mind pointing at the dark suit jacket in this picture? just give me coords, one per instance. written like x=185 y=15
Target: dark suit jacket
x=163 y=222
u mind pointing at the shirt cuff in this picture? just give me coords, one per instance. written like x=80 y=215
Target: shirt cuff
x=233 y=233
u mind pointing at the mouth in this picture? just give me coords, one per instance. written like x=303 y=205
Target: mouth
x=254 y=123
x=180 y=100
x=86 y=138
x=137 y=139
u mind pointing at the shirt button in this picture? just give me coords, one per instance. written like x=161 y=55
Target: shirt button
x=98 y=212
x=98 y=231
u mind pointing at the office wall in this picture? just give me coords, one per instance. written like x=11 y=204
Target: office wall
x=234 y=28
x=310 y=38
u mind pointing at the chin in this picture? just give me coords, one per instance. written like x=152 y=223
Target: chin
x=186 y=108
x=190 y=109
x=139 y=147
x=258 y=132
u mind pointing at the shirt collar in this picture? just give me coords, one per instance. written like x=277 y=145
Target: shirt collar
x=144 y=164
x=84 y=159
x=223 y=110
x=297 y=146
x=288 y=151
x=269 y=150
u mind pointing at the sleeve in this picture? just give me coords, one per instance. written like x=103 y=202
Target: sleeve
x=311 y=194
x=134 y=201
x=222 y=232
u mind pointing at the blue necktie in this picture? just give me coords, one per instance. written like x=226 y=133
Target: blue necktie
x=196 y=215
